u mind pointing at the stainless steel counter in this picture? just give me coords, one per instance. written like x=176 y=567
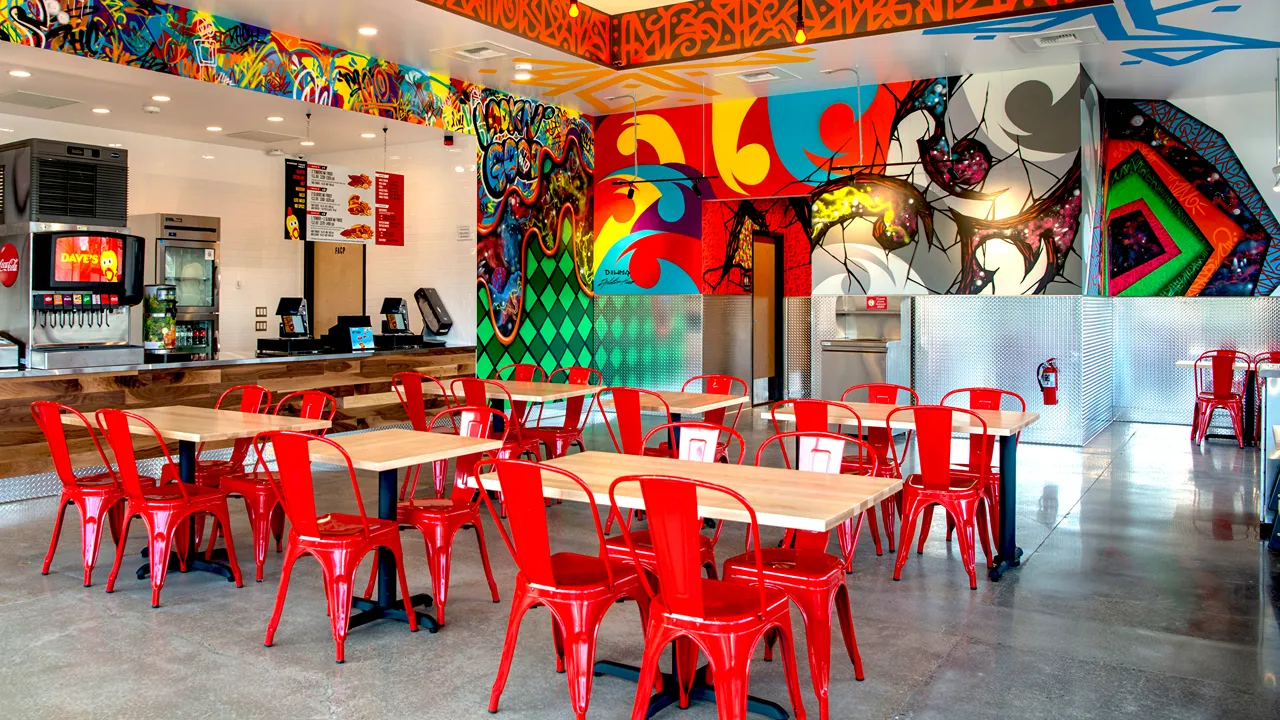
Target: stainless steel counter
x=10 y=374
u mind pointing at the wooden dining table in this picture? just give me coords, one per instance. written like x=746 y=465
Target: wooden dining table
x=781 y=498
x=1003 y=424
x=386 y=452
x=189 y=427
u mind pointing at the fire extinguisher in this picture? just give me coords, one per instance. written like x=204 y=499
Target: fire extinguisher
x=1047 y=376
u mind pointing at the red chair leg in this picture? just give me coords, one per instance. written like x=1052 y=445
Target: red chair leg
x=57 y=532
x=160 y=531
x=815 y=612
x=223 y=516
x=93 y=514
x=398 y=552
x=951 y=527
x=924 y=528
x=277 y=524
x=115 y=566
x=439 y=560
x=579 y=626
x=910 y=513
x=655 y=642
x=887 y=515
x=339 y=581
x=984 y=534
x=964 y=523
x=845 y=616
x=290 y=557
x=875 y=529
x=484 y=559
x=685 y=658
x=521 y=601
x=789 y=666
x=557 y=643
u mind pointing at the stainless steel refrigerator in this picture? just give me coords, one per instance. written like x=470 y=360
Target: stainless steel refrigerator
x=183 y=251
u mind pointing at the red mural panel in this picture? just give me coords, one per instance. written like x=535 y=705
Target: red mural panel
x=543 y=21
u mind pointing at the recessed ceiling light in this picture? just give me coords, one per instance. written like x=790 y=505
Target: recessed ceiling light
x=6 y=129
x=214 y=128
x=19 y=73
x=395 y=157
x=459 y=168
x=275 y=118
x=307 y=143
x=522 y=76
x=115 y=144
x=368 y=31
x=368 y=135
x=207 y=157
x=524 y=66
x=161 y=98
x=102 y=111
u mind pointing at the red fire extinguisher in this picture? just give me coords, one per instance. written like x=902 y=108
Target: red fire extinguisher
x=1047 y=376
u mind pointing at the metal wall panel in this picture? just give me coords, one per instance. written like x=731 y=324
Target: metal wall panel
x=1096 y=362
x=727 y=335
x=822 y=319
x=797 y=339
x=649 y=341
x=1151 y=334
x=966 y=341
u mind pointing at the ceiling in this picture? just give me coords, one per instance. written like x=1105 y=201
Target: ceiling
x=614 y=7
x=1155 y=49
x=193 y=106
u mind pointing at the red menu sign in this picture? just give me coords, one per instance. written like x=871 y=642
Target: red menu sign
x=389 y=204
x=877 y=302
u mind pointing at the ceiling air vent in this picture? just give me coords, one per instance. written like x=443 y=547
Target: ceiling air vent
x=1073 y=37
x=34 y=100
x=761 y=75
x=479 y=53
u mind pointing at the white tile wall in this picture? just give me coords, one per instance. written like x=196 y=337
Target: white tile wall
x=438 y=199
x=243 y=187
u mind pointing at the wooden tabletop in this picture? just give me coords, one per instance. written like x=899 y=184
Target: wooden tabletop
x=689 y=402
x=527 y=391
x=397 y=448
x=781 y=498
x=1205 y=363
x=1000 y=423
x=198 y=424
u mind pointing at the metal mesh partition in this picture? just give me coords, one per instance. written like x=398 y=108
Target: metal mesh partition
x=1096 y=362
x=1151 y=334
x=797 y=339
x=649 y=341
x=822 y=318
x=965 y=341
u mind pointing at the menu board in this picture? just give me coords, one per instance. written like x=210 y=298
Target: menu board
x=327 y=203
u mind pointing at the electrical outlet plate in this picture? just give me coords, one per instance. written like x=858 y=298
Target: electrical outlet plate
x=260 y=311
x=260 y=326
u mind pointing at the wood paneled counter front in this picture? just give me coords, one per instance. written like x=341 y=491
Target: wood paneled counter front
x=23 y=450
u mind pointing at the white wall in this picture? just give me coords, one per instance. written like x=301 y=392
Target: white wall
x=437 y=200
x=245 y=188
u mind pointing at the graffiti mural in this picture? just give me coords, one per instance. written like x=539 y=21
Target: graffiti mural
x=960 y=185
x=535 y=164
x=1183 y=216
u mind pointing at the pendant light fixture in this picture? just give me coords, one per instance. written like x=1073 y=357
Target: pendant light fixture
x=801 y=36
x=574 y=11
x=308 y=142
x=694 y=182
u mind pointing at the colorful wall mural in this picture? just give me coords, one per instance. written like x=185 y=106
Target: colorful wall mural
x=535 y=164
x=1183 y=216
x=959 y=185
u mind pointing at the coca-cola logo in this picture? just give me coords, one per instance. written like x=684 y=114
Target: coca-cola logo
x=8 y=264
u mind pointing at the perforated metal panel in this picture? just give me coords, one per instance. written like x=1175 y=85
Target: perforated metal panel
x=797 y=339
x=649 y=341
x=1152 y=334
x=1096 y=360
x=727 y=335
x=966 y=341
x=822 y=323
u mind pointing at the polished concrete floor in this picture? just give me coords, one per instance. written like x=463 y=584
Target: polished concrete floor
x=1144 y=594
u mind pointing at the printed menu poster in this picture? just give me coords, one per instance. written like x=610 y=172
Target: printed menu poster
x=327 y=203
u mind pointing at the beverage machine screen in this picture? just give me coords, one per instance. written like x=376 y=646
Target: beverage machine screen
x=87 y=259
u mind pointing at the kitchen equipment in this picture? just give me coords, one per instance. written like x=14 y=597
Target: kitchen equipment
x=51 y=181
x=159 y=325
x=295 y=331
x=874 y=344
x=435 y=319
x=184 y=253
x=8 y=355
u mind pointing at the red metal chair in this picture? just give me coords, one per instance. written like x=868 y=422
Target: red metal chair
x=475 y=392
x=440 y=519
x=716 y=385
x=559 y=438
x=725 y=620
x=1219 y=385
x=1270 y=357
x=164 y=508
x=254 y=399
x=699 y=442
x=981 y=452
x=814 y=416
x=97 y=496
x=625 y=403
x=408 y=387
x=881 y=439
x=958 y=490
x=805 y=571
x=338 y=541
x=577 y=589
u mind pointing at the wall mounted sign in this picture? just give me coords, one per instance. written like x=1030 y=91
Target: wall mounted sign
x=328 y=203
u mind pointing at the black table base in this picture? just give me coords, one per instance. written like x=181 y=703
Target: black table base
x=386 y=606
x=1008 y=554
x=702 y=690
x=217 y=563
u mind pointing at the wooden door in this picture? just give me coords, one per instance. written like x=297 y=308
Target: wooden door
x=764 y=311
x=336 y=283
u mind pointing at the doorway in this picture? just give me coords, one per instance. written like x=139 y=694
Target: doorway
x=766 y=318
x=333 y=282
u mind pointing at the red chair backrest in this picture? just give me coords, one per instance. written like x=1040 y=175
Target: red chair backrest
x=814 y=415
x=982 y=449
x=529 y=539
x=475 y=392
x=48 y=417
x=1215 y=372
x=699 y=440
x=522 y=372
x=934 y=426
x=254 y=399
x=626 y=407
x=473 y=422
x=314 y=405
x=671 y=508
x=408 y=387
x=883 y=394
x=821 y=452
x=574 y=418
x=115 y=428
x=293 y=483
x=719 y=385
